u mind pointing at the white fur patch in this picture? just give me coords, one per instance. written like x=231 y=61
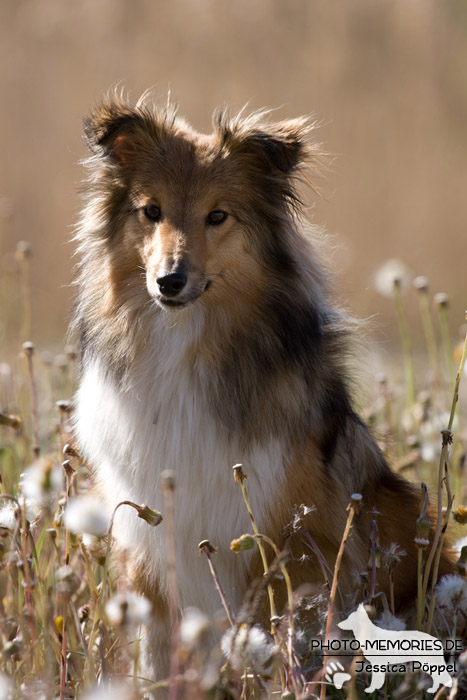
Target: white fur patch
x=161 y=420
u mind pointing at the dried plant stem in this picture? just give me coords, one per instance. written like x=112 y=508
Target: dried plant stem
x=429 y=332
x=240 y=478
x=420 y=597
x=437 y=559
x=446 y=340
x=63 y=656
x=406 y=345
x=89 y=664
x=29 y=352
x=206 y=547
x=351 y=509
x=288 y=583
x=25 y=285
x=443 y=475
x=168 y=481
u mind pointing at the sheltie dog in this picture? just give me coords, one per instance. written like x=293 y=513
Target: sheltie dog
x=209 y=338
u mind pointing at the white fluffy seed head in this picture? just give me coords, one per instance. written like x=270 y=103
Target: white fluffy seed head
x=128 y=609
x=86 y=514
x=393 y=272
x=451 y=592
x=42 y=482
x=250 y=647
x=193 y=627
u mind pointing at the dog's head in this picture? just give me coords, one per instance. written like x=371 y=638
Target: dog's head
x=185 y=214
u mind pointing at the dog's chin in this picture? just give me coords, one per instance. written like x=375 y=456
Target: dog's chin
x=170 y=304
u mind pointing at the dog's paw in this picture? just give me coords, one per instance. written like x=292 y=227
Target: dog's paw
x=336 y=674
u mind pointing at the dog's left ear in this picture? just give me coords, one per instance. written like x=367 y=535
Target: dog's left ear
x=281 y=147
x=111 y=131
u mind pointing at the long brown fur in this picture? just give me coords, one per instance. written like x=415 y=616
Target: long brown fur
x=268 y=357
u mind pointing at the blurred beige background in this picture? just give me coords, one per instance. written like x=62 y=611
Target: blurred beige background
x=387 y=80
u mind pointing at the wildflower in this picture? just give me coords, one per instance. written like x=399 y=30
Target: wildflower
x=243 y=542
x=460 y=515
x=250 y=647
x=87 y=514
x=128 y=609
x=393 y=273
x=388 y=621
x=42 y=482
x=451 y=592
x=193 y=627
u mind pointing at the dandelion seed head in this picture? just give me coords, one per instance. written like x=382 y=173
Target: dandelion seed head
x=193 y=627
x=8 y=516
x=388 y=621
x=249 y=647
x=42 y=482
x=128 y=609
x=87 y=514
x=451 y=592
x=392 y=272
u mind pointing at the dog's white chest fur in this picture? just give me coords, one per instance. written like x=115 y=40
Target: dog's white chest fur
x=163 y=420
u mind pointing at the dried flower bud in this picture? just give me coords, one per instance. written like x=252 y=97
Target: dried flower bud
x=168 y=480
x=11 y=648
x=441 y=300
x=71 y=353
x=239 y=474
x=207 y=547
x=243 y=542
x=68 y=469
x=447 y=437
x=422 y=532
x=64 y=405
x=460 y=515
x=69 y=450
x=83 y=612
x=28 y=348
x=355 y=502
x=421 y=283
x=23 y=250
x=152 y=517
x=11 y=421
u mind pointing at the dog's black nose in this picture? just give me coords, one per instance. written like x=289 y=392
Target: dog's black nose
x=171 y=285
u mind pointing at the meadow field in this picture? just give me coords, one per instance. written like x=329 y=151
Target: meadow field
x=67 y=629
x=386 y=82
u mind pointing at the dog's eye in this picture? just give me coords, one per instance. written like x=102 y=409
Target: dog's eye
x=152 y=212
x=216 y=217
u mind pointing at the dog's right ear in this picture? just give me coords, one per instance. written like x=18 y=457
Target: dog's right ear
x=111 y=131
